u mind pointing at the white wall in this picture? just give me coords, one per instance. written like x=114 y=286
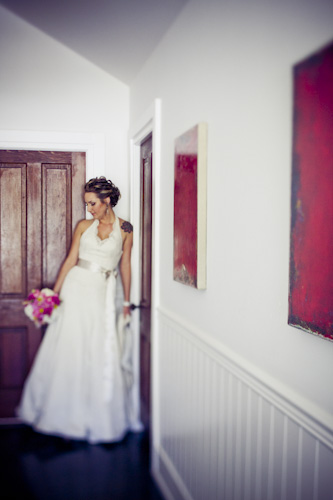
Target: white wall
x=46 y=87
x=229 y=63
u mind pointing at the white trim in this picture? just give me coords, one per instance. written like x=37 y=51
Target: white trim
x=307 y=414
x=150 y=122
x=229 y=430
x=168 y=479
x=91 y=144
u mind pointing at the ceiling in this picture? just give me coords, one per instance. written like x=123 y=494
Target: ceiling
x=116 y=35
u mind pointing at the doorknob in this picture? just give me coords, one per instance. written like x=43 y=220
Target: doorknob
x=140 y=306
x=134 y=306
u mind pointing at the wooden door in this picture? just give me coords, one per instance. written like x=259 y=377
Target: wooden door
x=40 y=203
x=145 y=302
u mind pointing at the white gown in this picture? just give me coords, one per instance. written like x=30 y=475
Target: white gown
x=75 y=388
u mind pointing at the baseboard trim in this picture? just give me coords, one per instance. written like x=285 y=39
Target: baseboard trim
x=168 y=479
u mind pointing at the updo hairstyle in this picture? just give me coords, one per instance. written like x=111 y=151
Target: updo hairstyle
x=103 y=189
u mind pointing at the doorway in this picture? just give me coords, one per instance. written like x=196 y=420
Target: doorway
x=148 y=125
x=146 y=172
x=40 y=204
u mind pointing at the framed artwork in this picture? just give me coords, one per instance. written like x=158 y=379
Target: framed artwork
x=311 y=243
x=190 y=212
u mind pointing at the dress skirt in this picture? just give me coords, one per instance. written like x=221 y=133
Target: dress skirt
x=68 y=392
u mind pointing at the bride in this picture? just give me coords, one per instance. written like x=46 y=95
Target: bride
x=75 y=388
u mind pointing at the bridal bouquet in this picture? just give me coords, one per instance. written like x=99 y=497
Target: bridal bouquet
x=41 y=306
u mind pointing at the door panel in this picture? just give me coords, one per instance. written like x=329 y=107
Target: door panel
x=34 y=224
x=13 y=347
x=145 y=302
x=57 y=218
x=40 y=204
x=12 y=210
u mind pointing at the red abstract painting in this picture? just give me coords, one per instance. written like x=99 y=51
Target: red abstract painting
x=190 y=208
x=311 y=255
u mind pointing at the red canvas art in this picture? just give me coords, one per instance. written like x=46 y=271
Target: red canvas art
x=311 y=256
x=190 y=208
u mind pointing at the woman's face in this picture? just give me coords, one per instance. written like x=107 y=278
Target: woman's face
x=94 y=205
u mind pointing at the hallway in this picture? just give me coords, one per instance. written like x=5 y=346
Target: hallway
x=38 y=467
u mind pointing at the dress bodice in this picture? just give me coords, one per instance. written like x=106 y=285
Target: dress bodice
x=105 y=253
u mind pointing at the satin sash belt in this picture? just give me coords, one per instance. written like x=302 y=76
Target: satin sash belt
x=110 y=342
x=96 y=268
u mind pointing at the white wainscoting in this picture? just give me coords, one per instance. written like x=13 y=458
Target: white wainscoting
x=221 y=433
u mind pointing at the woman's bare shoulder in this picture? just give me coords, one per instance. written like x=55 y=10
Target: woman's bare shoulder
x=83 y=225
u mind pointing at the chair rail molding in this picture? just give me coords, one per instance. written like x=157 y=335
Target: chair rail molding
x=228 y=430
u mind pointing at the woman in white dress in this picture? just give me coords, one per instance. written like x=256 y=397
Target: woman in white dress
x=75 y=388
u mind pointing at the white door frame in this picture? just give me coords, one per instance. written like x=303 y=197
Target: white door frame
x=91 y=144
x=149 y=123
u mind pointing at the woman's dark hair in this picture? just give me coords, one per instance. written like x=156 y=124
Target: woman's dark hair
x=103 y=189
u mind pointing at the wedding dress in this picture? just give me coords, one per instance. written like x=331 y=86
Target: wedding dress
x=75 y=388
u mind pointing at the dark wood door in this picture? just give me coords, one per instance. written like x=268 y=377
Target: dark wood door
x=40 y=203
x=145 y=302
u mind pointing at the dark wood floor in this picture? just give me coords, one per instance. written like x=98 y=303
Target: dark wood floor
x=38 y=467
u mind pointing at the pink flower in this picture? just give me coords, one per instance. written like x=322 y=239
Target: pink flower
x=41 y=306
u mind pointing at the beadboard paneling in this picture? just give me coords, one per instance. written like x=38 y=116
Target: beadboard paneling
x=224 y=435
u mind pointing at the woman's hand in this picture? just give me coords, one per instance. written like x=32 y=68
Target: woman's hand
x=126 y=311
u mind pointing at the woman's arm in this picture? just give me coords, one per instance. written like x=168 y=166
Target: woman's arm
x=72 y=256
x=125 y=263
